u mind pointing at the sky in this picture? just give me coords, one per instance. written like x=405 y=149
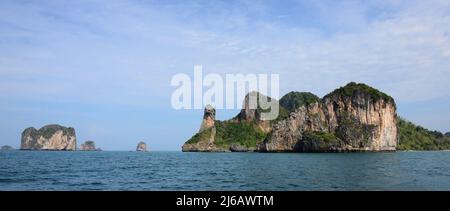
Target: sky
x=104 y=66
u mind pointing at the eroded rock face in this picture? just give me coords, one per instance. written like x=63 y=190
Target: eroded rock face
x=88 y=146
x=287 y=133
x=141 y=147
x=217 y=136
x=251 y=112
x=355 y=121
x=49 y=137
x=208 y=131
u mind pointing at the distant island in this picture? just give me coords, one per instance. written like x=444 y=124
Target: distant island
x=6 y=148
x=352 y=118
x=141 y=147
x=49 y=137
x=89 y=146
x=55 y=137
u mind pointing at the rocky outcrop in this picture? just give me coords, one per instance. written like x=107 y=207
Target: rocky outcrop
x=6 y=148
x=252 y=114
x=203 y=142
x=206 y=133
x=49 y=137
x=239 y=134
x=89 y=146
x=141 y=147
x=209 y=117
x=355 y=117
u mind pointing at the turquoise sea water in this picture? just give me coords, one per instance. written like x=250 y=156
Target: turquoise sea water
x=36 y=170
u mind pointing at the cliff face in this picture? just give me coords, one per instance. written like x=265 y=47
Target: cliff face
x=50 y=137
x=250 y=114
x=355 y=117
x=362 y=119
x=203 y=141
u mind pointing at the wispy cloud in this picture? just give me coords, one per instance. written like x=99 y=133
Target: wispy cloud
x=122 y=41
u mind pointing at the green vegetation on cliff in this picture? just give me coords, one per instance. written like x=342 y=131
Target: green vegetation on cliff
x=414 y=137
x=293 y=100
x=355 y=89
x=246 y=134
x=91 y=143
x=49 y=130
x=200 y=137
x=283 y=113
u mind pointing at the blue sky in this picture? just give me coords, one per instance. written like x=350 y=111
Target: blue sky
x=104 y=67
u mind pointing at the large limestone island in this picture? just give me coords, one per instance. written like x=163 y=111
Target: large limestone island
x=49 y=137
x=353 y=118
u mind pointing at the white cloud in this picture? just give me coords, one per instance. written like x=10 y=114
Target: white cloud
x=98 y=51
x=403 y=53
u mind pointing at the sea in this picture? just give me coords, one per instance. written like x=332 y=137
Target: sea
x=110 y=170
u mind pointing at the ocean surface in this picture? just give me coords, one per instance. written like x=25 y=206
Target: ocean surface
x=37 y=170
